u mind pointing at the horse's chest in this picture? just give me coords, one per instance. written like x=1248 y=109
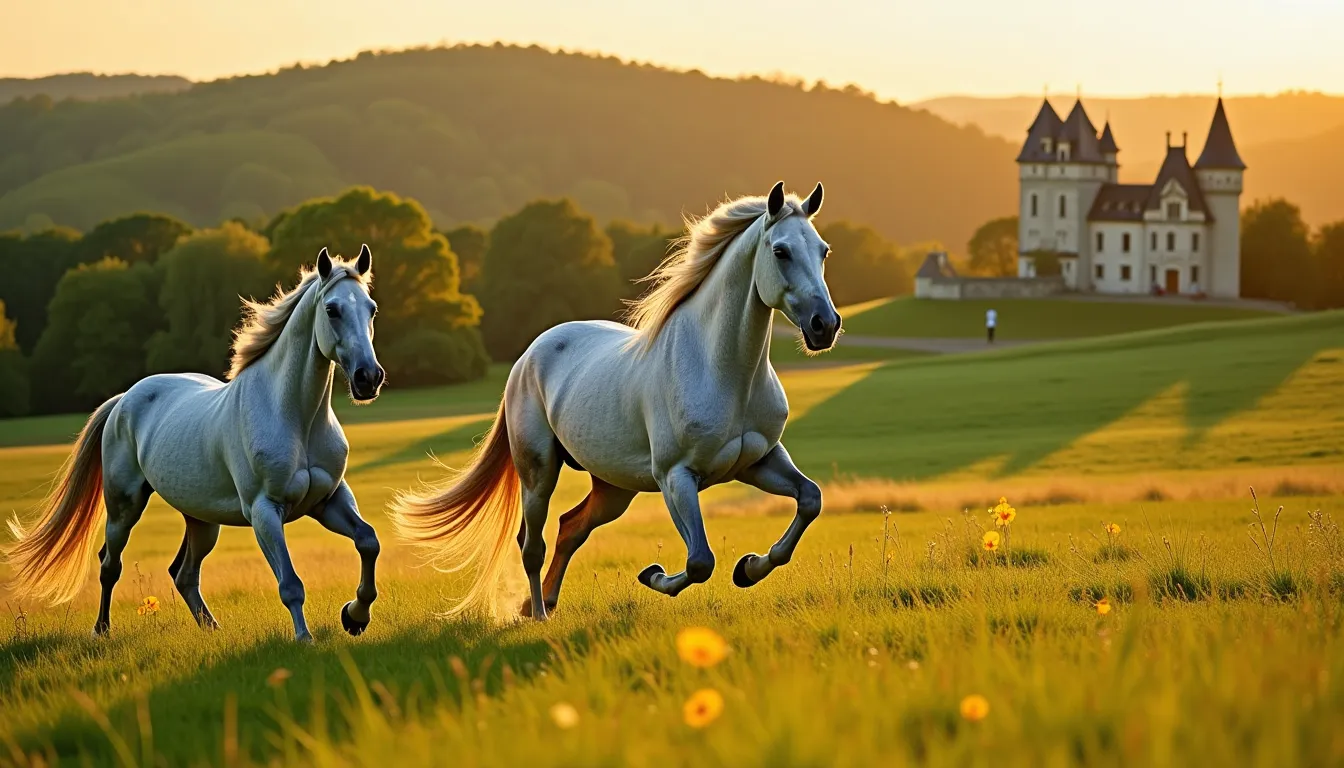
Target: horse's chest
x=314 y=478
x=736 y=454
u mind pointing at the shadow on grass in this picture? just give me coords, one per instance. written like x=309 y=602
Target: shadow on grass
x=460 y=438
x=417 y=664
x=925 y=419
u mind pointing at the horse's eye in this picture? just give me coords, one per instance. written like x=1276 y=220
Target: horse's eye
x=781 y=252
x=334 y=312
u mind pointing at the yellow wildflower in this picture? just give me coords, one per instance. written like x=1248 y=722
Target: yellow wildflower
x=703 y=708
x=564 y=715
x=1112 y=529
x=148 y=606
x=1103 y=606
x=701 y=646
x=1003 y=513
x=278 y=677
x=975 y=708
x=991 y=541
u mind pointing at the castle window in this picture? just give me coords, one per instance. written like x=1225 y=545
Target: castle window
x=1152 y=244
x=1125 y=272
x=1064 y=152
x=1101 y=271
x=1045 y=145
x=1033 y=205
x=1063 y=206
x=1124 y=242
x=1171 y=241
x=1173 y=211
x=1101 y=241
x=1152 y=274
x=1194 y=274
x=1194 y=242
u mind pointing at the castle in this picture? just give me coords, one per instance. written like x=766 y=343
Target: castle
x=1179 y=235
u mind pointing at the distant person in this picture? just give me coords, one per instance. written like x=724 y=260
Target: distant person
x=991 y=320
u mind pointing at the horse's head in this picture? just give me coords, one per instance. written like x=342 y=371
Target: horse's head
x=344 y=326
x=790 y=268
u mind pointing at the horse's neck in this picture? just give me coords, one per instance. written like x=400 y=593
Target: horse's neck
x=300 y=374
x=733 y=321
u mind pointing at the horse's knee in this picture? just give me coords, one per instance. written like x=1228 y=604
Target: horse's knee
x=291 y=592
x=700 y=568
x=366 y=542
x=809 y=500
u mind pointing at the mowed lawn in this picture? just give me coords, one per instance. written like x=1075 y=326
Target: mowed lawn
x=1030 y=319
x=857 y=653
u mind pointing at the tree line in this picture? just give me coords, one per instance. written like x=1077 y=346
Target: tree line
x=84 y=316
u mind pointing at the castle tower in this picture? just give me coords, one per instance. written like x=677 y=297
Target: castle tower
x=1060 y=170
x=1220 y=170
x=1111 y=151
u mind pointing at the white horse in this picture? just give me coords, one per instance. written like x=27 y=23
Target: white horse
x=684 y=400
x=262 y=450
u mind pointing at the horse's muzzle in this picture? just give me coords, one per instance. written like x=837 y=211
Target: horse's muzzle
x=365 y=382
x=821 y=328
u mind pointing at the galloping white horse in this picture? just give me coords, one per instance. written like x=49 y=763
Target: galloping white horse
x=262 y=450
x=685 y=399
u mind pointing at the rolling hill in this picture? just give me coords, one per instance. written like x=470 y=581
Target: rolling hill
x=86 y=85
x=475 y=132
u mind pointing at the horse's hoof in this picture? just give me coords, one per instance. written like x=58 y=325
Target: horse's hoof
x=645 y=576
x=100 y=630
x=740 y=577
x=354 y=628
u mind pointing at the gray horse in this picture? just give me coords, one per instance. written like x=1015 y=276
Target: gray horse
x=684 y=400
x=261 y=450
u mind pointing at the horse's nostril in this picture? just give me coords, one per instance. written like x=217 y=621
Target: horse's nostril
x=817 y=325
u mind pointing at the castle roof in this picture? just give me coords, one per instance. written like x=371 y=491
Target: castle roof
x=1045 y=126
x=1079 y=131
x=1108 y=146
x=936 y=264
x=1219 y=149
x=1120 y=202
x=1176 y=168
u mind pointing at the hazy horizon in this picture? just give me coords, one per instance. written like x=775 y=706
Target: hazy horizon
x=967 y=48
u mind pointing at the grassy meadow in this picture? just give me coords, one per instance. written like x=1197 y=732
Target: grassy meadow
x=1217 y=647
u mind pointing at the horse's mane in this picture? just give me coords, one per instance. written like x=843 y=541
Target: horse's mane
x=264 y=321
x=692 y=259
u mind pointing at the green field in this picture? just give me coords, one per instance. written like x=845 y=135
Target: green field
x=1029 y=319
x=857 y=653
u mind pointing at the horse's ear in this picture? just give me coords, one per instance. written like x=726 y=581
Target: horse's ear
x=323 y=263
x=775 y=203
x=365 y=262
x=813 y=202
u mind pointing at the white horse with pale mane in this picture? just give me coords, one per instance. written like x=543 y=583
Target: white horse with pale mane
x=684 y=400
x=261 y=450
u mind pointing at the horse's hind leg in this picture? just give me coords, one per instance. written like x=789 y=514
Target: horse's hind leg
x=776 y=474
x=199 y=539
x=340 y=515
x=125 y=493
x=537 y=460
x=602 y=505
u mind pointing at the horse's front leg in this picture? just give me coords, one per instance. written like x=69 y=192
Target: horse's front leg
x=340 y=515
x=268 y=522
x=776 y=474
x=681 y=491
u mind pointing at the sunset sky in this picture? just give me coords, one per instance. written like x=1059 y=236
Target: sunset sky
x=898 y=49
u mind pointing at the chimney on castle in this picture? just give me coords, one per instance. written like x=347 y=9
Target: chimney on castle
x=1185 y=138
x=1168 y=139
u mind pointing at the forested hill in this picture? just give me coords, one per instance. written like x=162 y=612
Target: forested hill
x=474 y=132
x=86 y=85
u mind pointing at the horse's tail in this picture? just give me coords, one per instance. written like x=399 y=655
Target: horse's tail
x=50 y=561
x=469 y=519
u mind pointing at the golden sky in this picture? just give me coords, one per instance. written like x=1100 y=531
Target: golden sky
x=898 y=49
